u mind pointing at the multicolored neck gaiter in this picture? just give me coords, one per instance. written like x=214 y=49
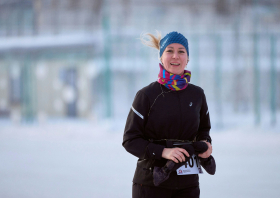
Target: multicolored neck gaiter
x=173 y=81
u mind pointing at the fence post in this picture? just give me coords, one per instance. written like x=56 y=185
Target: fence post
x=256 y=83
x=256 y=80
x=28 y=106
x=107 y=57
x=273 y=42
x=218 y=80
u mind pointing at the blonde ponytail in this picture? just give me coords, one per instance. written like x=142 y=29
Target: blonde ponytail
x=153 y=41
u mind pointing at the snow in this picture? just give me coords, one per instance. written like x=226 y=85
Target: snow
x=77 y=158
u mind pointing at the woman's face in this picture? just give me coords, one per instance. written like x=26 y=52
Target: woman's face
x=175 y=58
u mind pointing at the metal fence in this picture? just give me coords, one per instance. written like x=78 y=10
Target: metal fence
x=93 y=69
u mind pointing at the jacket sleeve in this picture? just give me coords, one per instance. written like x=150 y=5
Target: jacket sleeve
x=204 y=125
x=134 y=140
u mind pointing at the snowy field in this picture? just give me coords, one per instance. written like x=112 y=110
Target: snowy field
x=80 y=159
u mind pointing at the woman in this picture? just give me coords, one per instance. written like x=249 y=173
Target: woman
x=168 y=111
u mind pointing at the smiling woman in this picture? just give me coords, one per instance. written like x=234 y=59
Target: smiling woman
x=175 y=58
x=168 y=127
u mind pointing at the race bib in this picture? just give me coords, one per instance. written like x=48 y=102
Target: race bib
x=190 y=167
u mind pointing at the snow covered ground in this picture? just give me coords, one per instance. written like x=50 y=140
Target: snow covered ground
x=81 y=159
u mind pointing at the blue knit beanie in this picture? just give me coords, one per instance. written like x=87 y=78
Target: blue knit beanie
x=173 y=37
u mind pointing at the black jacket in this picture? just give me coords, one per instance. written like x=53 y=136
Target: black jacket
x=181 y=115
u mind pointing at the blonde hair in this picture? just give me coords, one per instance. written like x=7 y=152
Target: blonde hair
x=152 y=40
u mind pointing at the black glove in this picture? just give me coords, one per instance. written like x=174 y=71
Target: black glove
x=209 y=163
x=161 y=174
x=200 y=147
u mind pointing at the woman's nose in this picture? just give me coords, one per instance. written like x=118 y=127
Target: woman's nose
x=175 y=55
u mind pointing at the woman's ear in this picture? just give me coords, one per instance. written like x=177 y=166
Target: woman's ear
x=187 y=64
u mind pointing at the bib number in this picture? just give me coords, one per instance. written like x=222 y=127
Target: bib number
x=190 y=167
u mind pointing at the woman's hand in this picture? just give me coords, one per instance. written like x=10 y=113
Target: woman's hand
x=207 y=153
x=175 y=154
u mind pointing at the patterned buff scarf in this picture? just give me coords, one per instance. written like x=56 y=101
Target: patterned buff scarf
x=173 y=81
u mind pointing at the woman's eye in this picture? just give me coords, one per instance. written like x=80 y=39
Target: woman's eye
x=169 y=50
x=181 y=52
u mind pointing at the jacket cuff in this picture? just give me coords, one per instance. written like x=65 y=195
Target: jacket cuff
x=207 y=138
x=155 y=150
